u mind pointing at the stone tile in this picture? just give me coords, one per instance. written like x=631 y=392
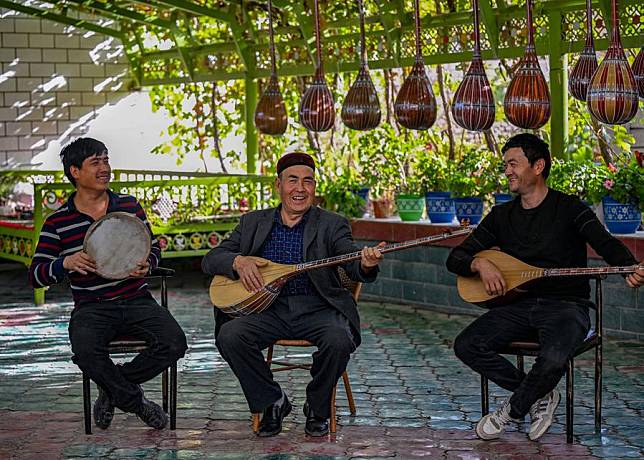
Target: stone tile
x=414 y=398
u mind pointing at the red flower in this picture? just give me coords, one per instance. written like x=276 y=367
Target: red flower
x=639 y=156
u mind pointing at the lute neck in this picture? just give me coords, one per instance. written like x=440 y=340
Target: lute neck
x=338 y=260
x=591 y=271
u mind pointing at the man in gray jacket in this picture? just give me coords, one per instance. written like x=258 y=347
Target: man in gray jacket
x=313 y=306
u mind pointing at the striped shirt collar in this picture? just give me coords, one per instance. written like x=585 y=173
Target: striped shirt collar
x=113 y=201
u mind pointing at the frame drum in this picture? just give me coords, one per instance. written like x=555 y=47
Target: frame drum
x=118 y=241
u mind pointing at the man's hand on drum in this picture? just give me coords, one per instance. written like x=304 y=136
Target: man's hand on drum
x=247 y=269
x=80 y=262
x=141 y=270
x=371 y=256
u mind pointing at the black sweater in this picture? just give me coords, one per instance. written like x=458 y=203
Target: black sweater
x=552 y=235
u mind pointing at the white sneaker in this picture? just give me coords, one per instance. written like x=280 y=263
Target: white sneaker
x=542 y=414
x=493 y=425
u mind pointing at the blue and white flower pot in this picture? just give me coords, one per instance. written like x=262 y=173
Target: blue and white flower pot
x=500 y=198
x=363 y=193
x=470 y=208
x=619 y=217
x=440 y=207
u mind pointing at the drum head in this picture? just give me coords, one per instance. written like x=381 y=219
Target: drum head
x=117 y=242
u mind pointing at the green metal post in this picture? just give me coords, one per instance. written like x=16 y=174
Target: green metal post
x=251 y=133
x=39 y=220
x=558 y=88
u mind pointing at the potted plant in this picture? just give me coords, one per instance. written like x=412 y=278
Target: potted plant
x=434 y=176
x=475 y=176
x=623 y=195
x=583 y=178
x=338 y=193
x=380 y=163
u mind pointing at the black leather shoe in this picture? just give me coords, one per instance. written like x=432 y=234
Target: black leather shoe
x=271 y=423
x=315 y=426
x=103 y=410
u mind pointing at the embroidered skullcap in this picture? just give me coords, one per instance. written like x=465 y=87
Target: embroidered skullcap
x=293 y=159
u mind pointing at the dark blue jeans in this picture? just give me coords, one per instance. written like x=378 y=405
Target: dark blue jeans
x=93 y=325
x=559 y=326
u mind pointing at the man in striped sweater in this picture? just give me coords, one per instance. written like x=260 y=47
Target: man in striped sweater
x=105 y=308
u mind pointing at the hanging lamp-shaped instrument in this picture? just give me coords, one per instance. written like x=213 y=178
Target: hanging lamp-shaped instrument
x=612 y=95
x=415 y=105
x=316 y=108
x=587 y=64
x=270 y=113
x=473 y=104
x=527 y=101
x=361 y=108
x=638 y=71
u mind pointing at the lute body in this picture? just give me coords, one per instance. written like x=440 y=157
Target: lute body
x=517 y=273
x=232 y=298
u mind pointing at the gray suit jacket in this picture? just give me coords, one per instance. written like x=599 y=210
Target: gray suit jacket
x=326 y=234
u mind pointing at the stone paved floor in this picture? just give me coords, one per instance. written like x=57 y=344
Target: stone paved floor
x=414 y=398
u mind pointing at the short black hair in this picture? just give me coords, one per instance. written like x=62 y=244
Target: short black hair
x=74 y=153
x=533 y=148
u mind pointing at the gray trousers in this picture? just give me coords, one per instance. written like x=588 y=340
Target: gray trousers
x=241 y=341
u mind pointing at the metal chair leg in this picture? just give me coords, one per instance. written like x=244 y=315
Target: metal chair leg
x=485 y=408
x=598 y=387
x=87 y=404
x=570 y=400
x=164 y=390
x=173 y=396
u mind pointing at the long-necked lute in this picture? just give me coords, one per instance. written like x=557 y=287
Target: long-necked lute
x=517 y=273
x=232 y=298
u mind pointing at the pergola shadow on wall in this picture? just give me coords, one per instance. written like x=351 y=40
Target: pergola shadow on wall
x=181 y=41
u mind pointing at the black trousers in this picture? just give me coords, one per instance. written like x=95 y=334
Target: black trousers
x=93 y=325
x=241 y=341
x=559 y=326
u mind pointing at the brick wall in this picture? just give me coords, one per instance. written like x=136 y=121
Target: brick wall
x=53 y=80
x=418 y=276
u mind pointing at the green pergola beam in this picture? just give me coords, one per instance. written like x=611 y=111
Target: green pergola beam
x=491 y=24
x=113 y=11
x=305 y=23
x=558 y=63
x=189 y=7
x=241 y=45
x=61 y=19
x=183 y=41
x=392 y=33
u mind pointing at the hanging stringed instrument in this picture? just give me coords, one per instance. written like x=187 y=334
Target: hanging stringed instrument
x=587 y=64
x=527 y=101
x=473 y=105
x=517 y=273
x=317 y=112
x=270 y=113
x=231 y=297
x=361 y=108
x=612 y=95
x=638 y=71
x=415 y=105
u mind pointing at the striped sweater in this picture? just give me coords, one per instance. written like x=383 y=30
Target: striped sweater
x=62 y=235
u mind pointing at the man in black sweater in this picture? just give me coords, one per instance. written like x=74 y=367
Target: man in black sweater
x=548 y=229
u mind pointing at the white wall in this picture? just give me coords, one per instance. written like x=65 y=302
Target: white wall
x=51 y=77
